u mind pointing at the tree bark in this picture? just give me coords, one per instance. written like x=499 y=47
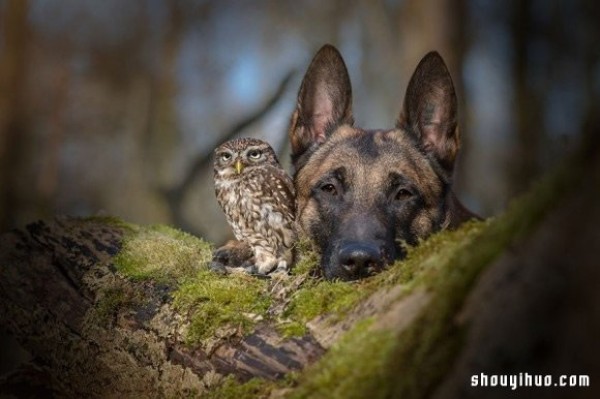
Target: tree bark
x=14 y=131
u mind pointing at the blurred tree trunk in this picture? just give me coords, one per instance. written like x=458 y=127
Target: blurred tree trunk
x=48 y=178
x=163 y=128
x=395 y=40
x=529 y=126
x=13 y=120
x=458 y=46
x=442 y=33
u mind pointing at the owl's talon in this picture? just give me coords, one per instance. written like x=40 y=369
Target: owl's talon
x=220 y=256
x=218 y=267
x=233 y=254
x=249 y=268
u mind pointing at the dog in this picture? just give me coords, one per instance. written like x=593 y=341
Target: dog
x=362 y=195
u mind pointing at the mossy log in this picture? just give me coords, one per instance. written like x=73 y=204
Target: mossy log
x=97 y=333
x=108 y=309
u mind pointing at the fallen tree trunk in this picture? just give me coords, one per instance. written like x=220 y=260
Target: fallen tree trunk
x=506 y=296
x=55 y=277
x=93 y=332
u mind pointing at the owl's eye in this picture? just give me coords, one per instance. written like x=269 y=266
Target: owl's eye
x=225 y=156
x=254 y=154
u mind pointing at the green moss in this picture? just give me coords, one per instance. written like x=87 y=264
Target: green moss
x=431 y=255
x=307 y=258
x=321 y=298
x=110 y=221
x=109 y=303
x=356 y=360
x=161 y=253
x=427 y=349
x=216 y=302
x=255 y=388
x=314 y=296
x=291 y=328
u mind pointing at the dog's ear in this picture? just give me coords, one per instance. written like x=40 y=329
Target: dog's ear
x=429 y=110
x=324 y=102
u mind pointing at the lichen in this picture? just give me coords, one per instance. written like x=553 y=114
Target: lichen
x=108 y=304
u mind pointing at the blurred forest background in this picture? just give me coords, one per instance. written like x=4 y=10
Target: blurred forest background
x=113 y=106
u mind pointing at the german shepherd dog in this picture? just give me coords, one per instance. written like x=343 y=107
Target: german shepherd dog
x=362 y=193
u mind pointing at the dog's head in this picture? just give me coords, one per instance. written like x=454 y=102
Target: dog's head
x=362 y=193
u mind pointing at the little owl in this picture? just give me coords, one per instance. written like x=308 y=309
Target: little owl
x=258 y=199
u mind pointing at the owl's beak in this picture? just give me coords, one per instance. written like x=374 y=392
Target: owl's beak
x=239 y=166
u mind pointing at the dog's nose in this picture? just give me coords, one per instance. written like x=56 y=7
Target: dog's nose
x=359 y=259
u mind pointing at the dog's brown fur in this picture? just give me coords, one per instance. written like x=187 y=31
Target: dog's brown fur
x=361 y=193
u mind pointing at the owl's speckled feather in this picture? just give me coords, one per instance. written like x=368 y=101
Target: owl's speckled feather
x=258 y=199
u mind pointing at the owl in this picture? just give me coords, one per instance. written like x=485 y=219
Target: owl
x=258 y=199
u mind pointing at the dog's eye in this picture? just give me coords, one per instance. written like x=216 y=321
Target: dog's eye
x=329 y=189
x=403 y=194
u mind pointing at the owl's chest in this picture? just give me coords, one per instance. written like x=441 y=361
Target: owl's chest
x=249 y=209
x=243 y=200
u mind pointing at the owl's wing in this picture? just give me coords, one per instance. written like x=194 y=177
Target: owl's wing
x=283 y=192
x=285 y=198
